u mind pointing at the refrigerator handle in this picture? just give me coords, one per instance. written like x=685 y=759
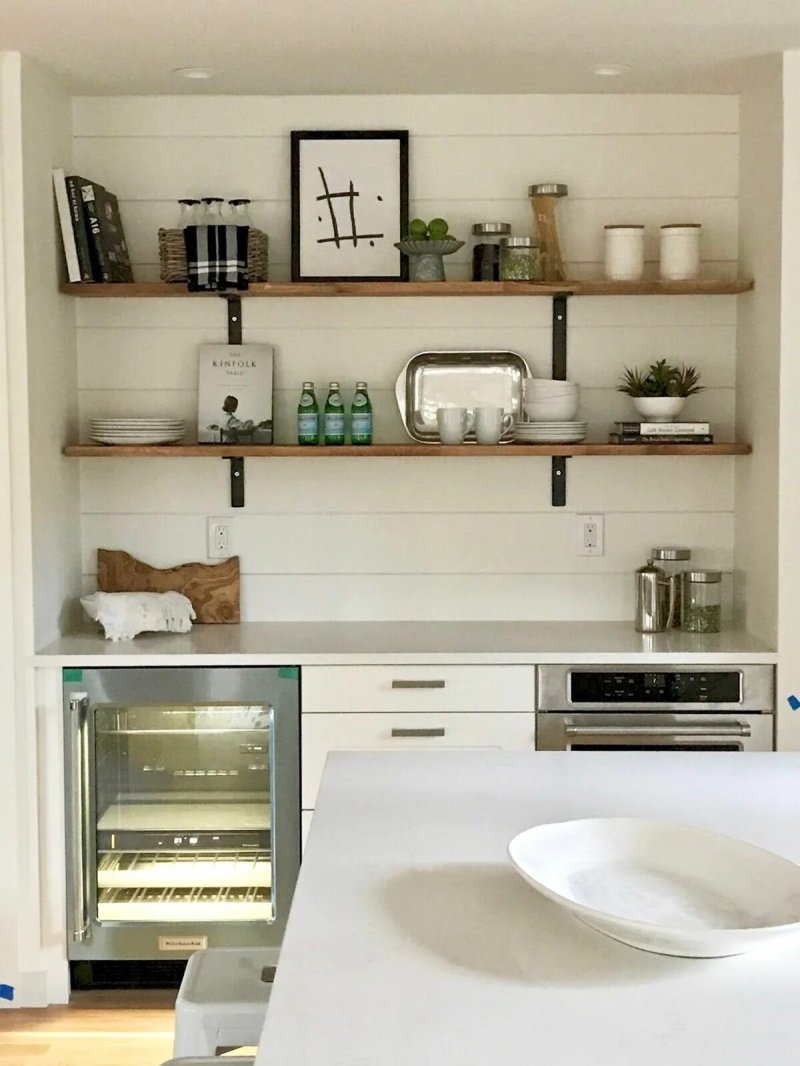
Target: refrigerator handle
x=79 y=706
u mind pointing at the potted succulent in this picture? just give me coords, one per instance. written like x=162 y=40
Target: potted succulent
x=425 y=245
x=659 y=391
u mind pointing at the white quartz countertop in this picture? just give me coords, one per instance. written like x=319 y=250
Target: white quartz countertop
x=344 y=643
x=412 y=940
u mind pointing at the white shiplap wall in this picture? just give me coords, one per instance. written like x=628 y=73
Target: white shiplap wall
x=421 y=538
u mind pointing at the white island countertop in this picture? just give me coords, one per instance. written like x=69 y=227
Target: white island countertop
x=412 y=940
x=355 y=643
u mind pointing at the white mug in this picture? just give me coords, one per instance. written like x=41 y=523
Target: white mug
x=491 y=423
x=454 y=423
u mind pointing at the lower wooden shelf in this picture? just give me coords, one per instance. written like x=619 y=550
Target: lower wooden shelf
x=430 y=451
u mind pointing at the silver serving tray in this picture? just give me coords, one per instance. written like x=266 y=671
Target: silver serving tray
x=453 y=378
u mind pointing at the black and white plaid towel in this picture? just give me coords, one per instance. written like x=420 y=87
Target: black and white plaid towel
x=216 y=257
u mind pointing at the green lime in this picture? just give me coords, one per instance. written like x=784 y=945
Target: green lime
x=417 y=229
x=437 y=228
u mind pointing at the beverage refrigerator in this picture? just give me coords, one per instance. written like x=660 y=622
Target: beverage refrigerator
x=183 y=809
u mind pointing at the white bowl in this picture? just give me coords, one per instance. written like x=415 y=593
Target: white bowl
x=663 y=887
x=659 y=408
x=545 y=387
x=559 y=410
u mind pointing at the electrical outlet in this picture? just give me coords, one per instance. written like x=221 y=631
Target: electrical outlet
x=217 y=537
x=589 y=534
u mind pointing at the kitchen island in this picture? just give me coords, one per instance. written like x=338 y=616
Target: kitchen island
x=412 y=940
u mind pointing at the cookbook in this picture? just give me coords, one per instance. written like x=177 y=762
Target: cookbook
x=234 y=399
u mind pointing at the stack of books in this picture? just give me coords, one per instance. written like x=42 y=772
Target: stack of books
x=661 y=433
x=91 y=230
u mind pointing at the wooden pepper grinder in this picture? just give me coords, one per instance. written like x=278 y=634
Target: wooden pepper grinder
x=543 y=201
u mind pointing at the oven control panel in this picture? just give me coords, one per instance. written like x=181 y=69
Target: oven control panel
x=606 y=686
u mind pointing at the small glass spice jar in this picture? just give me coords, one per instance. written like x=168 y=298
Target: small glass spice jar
x=486 y=249
x=624 y=253
x=520 y=259
x=680 y=252
x=672 y=561
x=701 y=601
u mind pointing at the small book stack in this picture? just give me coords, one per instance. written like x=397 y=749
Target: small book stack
x=661 y=433
x=91 y=230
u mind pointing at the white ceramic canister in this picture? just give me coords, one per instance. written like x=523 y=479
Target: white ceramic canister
x=680 y=251
x=624 y=253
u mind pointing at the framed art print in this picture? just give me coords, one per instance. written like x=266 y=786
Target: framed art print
x=349 y=205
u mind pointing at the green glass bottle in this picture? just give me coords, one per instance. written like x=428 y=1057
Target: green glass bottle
x=361 y=416
x=333 y=416
x=308 y=416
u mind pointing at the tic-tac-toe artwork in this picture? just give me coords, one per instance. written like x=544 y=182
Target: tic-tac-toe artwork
x=349 y=204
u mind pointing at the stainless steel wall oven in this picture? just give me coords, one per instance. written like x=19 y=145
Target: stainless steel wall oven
x=655 y=708
x=183 y=807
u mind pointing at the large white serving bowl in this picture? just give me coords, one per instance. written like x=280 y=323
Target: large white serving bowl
x=558 y=410
x=661 y=886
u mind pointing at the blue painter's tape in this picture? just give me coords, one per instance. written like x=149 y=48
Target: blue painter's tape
x=6 y=991
x=794 y=703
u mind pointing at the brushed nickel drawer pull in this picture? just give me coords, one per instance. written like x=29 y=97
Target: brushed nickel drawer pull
x=418 y=684
x=433 y=731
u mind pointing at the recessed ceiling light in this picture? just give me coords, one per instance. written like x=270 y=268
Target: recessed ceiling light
x=612 y=70
x=194 y=73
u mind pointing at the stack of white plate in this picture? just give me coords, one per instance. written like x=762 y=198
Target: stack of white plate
x=137 y=430
x=550 y=432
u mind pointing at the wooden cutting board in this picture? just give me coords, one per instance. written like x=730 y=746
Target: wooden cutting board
x=213 y=588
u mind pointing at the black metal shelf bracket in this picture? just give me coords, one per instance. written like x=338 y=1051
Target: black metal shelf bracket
x=237 y=480
x=558 y=464
x=234 y=318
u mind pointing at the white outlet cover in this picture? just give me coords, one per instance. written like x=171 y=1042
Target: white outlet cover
x=589 y=534
x=218 y=534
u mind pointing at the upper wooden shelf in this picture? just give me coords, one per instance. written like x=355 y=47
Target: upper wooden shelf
x=462 y=451
x=424 y=288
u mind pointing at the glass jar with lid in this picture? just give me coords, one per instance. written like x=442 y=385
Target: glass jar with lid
x=701 y=601
x=520 y=259
x=239 y=212
x=486 y=249
x=672 y=561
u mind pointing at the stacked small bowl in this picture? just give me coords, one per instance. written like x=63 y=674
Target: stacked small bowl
x=550 y=408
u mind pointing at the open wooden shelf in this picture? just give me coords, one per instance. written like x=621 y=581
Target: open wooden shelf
x=431 y=451
x=423 y=288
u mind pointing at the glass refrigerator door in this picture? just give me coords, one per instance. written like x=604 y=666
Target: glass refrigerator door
x=183 y=803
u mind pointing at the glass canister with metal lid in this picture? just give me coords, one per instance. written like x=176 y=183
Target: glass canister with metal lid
x=701 y=601
x=486 y=249
x=520 y=259
x=673 y=561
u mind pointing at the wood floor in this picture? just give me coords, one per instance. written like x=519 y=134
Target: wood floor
x=96 y=1029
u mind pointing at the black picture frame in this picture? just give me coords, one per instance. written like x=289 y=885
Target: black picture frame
x=309 y=261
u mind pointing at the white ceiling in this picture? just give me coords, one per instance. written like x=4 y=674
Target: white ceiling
x=399 y=46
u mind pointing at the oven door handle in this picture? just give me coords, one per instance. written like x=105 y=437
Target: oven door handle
x=738 y=729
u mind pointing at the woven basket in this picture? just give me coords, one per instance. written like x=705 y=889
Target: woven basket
x=172 y=255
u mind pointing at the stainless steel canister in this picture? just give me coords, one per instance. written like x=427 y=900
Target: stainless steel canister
x=655 y=599
x=673 y=561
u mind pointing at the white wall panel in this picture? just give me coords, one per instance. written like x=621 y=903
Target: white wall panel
x=421 y=538
x=441 y=116
x=413 y=486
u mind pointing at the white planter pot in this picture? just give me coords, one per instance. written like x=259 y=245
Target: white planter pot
x=659 y=408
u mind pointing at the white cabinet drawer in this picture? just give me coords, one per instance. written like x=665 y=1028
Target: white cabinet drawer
x=324 y=733
x=397 y=689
